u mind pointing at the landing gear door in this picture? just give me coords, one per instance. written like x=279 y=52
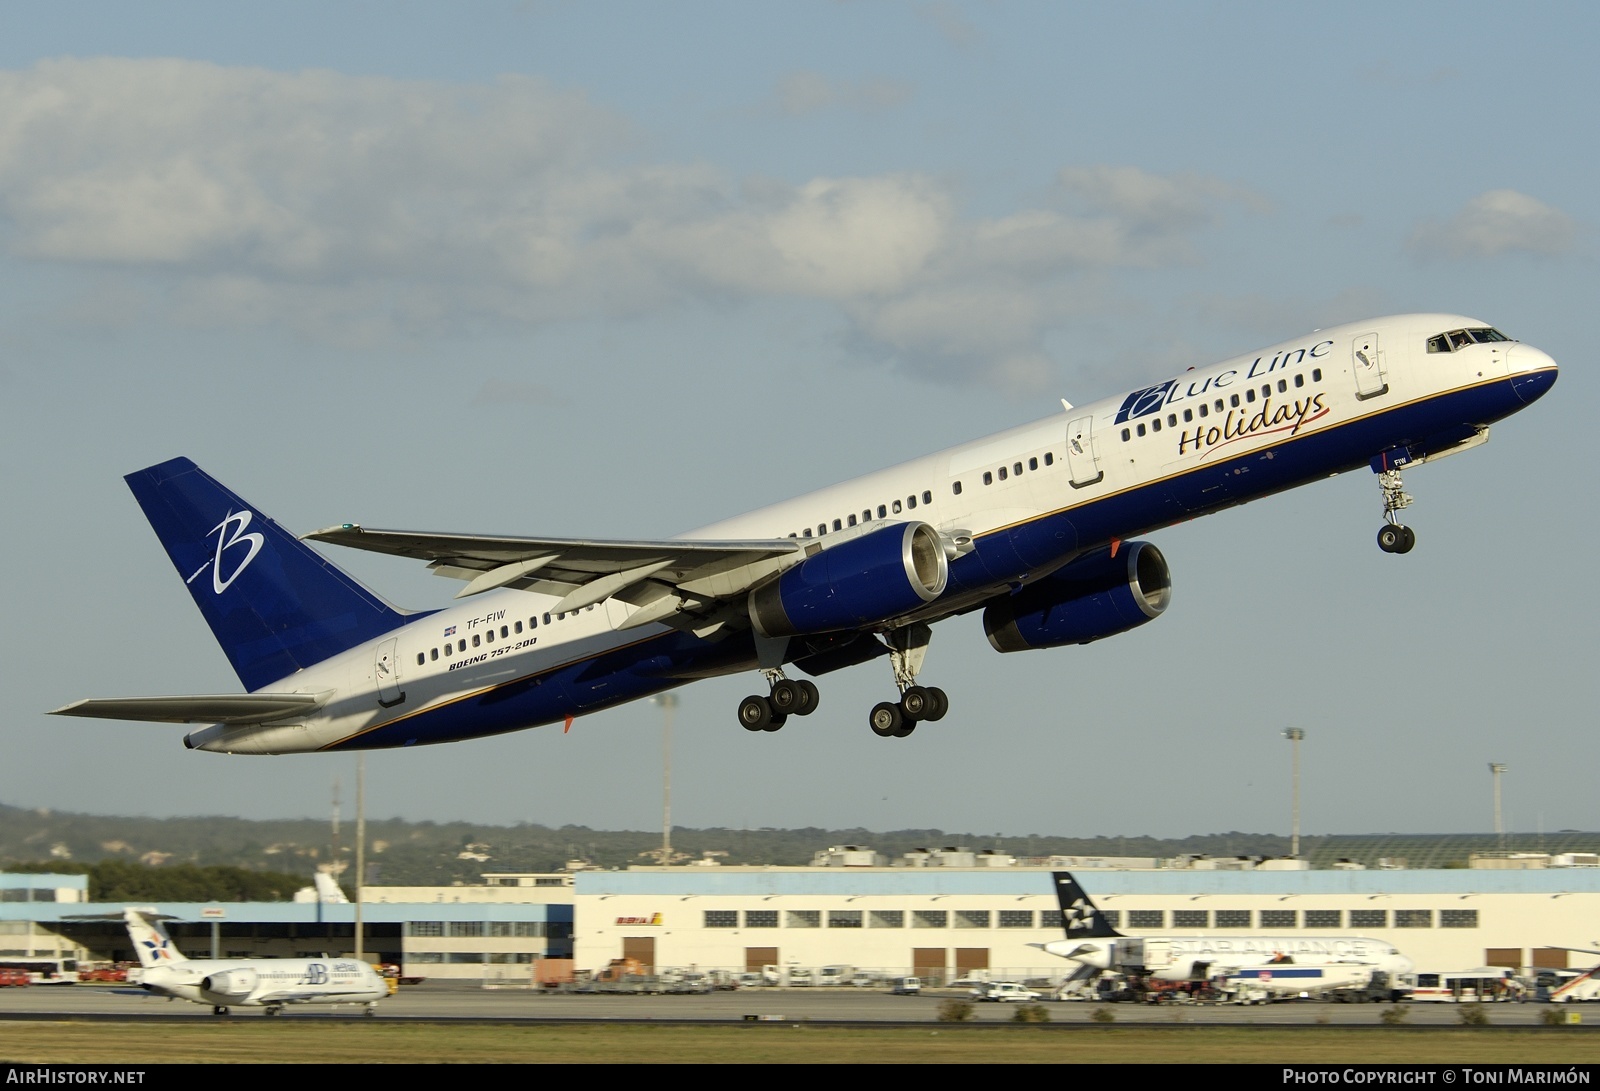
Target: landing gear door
x=1366 y=364
x=1081 y=461
x=386 y=672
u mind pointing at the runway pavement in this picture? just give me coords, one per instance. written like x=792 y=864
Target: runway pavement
x=842 y=1005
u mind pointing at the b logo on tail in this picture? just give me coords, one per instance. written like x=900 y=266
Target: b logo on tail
x=224 y=540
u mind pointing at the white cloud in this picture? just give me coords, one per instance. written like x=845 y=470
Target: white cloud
x=358 y=208
x=1501 y=221
x=801 y=93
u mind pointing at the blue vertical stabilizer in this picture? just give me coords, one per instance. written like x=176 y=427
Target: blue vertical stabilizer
x=274 y=605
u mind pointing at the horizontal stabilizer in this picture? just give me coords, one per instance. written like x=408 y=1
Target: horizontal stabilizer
x=216 y=708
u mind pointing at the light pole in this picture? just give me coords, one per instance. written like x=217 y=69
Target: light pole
x=361 y=854
x=668 y=702
x=1497 y=768
x=1295 y=735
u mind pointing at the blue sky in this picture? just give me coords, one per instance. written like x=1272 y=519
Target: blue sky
x=619 y=269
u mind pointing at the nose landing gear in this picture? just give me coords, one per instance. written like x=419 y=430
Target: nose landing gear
x=1394 y=537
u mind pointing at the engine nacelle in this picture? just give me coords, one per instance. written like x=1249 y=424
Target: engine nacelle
x=234 y=984
x=1095 y=597
x=880 y=575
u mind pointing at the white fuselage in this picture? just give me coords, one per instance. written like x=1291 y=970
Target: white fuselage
x=266 y=982
x=1275 y=402
x=1187 y=958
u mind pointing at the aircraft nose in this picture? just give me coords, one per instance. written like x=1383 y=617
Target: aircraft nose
x=1533 y=372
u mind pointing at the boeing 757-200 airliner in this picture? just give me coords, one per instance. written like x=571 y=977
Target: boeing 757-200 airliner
x=1033 y=527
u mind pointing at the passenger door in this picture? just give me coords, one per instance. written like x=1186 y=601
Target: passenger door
x=1081 y=461
x=1366 y=364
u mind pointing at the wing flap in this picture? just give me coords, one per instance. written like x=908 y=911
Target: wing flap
x=580 y=571
x=219 y=708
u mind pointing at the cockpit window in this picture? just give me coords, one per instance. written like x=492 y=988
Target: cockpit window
x=1460 y=339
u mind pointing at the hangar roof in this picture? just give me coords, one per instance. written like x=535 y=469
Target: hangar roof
x=923 y=882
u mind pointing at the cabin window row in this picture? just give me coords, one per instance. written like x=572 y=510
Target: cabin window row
x=1015 y=469
x=925 y=498
x=884 y=511
x=1221 y=405
x=487 y=636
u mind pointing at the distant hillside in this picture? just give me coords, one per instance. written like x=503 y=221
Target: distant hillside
x=425 y=853
x=401 y=852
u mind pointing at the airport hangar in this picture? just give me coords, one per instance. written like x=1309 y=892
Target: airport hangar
x=934 y=920
x=945 y=923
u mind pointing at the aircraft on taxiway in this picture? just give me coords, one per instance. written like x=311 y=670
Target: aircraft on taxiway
x=267 y=983
x=1031 y=526
x=1279 y=964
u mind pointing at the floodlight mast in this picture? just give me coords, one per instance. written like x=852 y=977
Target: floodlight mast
x=668 y=702
x=1295 y=735
x=1496 y=768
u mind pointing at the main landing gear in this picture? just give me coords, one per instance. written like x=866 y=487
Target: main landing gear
x=890 y=719
x=897 y=719
x=789 y=697
x=1394 y=537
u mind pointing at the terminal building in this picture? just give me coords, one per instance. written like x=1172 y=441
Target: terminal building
x=942 y=916
x=477 y=933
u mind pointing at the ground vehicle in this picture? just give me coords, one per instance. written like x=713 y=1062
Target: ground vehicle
x=1003 y=991
x=907 y=986
x=1485 y=983
x=1567 y=986
x=799 y=977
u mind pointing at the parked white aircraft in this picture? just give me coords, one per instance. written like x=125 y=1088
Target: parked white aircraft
x=267 y=983
x=1030 y=526
x=1094 y=944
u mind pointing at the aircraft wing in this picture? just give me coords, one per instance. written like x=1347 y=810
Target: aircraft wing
x=219 y=708
x=662 y=578
x=306 y=996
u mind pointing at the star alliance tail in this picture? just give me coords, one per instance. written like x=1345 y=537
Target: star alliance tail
x=1080 y=917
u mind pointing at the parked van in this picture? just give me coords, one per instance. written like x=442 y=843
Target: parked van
x=907 y=986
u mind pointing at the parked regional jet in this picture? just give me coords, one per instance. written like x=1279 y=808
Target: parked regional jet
x=1032 y=527
x=267 y=983
x=1094 y=944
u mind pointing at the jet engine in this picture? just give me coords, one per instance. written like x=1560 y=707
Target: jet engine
x=234 y=984
x=876 y=576
x=1097 y=596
